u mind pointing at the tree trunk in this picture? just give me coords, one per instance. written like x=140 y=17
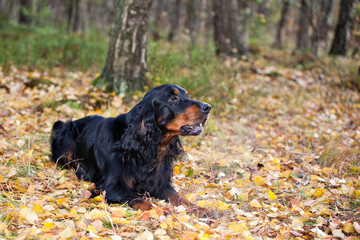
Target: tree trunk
x=219 y=27
x=192 y=22
x=342 y=32
x=303 y=38
x=158 y=12
x=325 y=20
x=281 y=24
x=175 y=19
x=77 y=15
x=243 y=27
x=126 y=60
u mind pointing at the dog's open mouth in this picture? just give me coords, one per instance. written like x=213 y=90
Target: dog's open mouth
x=194 y=129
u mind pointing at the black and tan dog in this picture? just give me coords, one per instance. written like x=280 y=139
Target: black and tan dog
x=132 y=154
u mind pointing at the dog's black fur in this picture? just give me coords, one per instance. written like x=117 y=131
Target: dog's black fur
x=132 y=154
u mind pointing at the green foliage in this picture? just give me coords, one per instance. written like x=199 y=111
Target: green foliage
x=40 y=47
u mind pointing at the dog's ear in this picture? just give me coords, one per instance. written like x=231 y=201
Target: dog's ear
x=163 y=113
x=141 y=129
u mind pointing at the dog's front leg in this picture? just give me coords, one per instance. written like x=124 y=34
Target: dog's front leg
x=176 y=199
x=116 y=194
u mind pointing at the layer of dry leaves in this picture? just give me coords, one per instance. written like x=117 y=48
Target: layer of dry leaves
x=281 y=161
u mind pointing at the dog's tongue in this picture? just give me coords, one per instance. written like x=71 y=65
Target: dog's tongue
x=195 y=129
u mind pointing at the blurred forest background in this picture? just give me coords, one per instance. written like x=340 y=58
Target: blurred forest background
x=75 y=34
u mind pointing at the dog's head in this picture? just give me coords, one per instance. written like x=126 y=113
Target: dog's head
x=175 y=112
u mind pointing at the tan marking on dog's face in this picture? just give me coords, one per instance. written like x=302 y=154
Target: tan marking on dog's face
x=176 y=92
x=190 y=116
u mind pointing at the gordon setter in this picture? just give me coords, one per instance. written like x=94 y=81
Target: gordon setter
x=132 y=154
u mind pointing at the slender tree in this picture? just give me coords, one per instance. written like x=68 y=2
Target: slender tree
x=175 y=19
x=126 y=60
x=219 y=27
x=303 y=37
x=325 y=19
x=231 y=32
x=280 y=27
x=342 y=32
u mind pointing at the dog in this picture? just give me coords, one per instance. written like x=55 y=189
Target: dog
x=132 y=154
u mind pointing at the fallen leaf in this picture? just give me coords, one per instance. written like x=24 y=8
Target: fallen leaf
x=272 y=195
x=256 y=204
x=348 y=228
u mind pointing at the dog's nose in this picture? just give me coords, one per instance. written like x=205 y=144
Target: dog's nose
x=205 y=108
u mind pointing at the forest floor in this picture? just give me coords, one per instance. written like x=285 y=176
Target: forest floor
x=279 y=160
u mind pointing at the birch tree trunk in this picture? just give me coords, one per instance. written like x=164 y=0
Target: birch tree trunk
x=342 y=32
x=125 y=65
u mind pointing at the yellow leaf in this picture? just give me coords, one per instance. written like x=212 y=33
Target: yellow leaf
x=97 y=198
x=96 y=214
x=285 y=174
x=244 y=197
x=91 y=229
x=3 y=226
x=191 y=197
x=61 y=202
x=237 y=228
x=297 y=222
x=356 y=193
x=222 y=206
x=272 y=195
x=176 y=170
x=318 y=192
x=2 y=180
x=38 y=209
x=31 y=189
x=256 y=204
x=163 y=226
x=201 y=193
x=349 y=228
x=204 y=203
x=258 y=180
x=49 y=224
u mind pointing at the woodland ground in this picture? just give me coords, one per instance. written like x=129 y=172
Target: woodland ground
x=279 y=157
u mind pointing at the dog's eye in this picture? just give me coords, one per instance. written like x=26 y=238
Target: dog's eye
x=174 y=98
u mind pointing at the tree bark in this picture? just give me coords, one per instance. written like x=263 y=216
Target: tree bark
x=279 y=30
x=159 y=9
x=342 y=32
x=175 y=19
x=242 y=43
x=192 y=22
x=219 y=27
x=125 y=65
x=303 y=38
x=325 y=19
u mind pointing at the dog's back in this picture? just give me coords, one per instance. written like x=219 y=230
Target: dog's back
x=64 y=141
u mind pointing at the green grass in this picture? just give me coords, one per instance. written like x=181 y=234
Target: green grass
x=47 y=47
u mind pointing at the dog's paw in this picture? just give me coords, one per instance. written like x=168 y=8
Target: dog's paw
x=201 y=212
x=141 y=204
